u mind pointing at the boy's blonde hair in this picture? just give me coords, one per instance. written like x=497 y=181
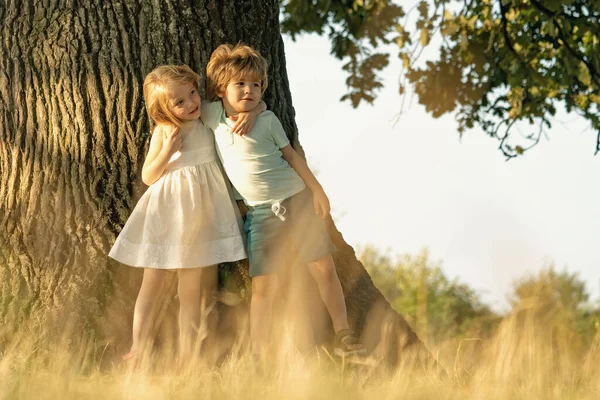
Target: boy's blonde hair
x=156 y=86
x=228 y=63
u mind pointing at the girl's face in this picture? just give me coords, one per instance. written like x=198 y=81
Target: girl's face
x=184 y=101
x=242 y=95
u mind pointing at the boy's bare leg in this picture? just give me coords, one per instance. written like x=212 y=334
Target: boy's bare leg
x=208 y=297
x=152 y=284
x=324 y=273
x=260 y=311
x=195 y=290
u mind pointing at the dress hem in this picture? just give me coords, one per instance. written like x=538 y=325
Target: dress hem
x=227 y=250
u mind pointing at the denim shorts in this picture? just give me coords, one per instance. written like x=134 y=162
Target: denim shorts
x=271 y=229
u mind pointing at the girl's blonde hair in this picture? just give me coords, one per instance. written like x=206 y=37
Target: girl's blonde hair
x=228 y=63
x=156 y=86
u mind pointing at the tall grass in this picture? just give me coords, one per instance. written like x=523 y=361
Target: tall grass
x=534 y=354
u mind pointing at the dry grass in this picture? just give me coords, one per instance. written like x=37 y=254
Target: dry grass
x=530 y=357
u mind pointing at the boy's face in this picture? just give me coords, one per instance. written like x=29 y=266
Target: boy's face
x=242 y=95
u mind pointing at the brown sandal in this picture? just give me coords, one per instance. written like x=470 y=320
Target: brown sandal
x=347 y=344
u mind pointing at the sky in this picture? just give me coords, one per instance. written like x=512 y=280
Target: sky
x=402 y=184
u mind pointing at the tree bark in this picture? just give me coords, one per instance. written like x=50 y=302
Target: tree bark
x=73 y=135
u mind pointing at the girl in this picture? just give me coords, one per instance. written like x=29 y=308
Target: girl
x=186 y=220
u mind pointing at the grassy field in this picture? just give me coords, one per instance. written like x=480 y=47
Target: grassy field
x=527 y=358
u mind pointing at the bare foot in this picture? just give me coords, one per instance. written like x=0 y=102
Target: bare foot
x=131 y=355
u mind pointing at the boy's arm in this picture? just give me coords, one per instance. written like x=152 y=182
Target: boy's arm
x=245 y=121
x=320 y=200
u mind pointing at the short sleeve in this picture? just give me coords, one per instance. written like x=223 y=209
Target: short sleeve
x=278 y=133
x=211 y=113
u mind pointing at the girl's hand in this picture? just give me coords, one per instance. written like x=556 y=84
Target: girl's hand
x=245 y=121
x=172 y=141
x=321 y=204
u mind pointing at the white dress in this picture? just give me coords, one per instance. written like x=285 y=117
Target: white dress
x=187 y=218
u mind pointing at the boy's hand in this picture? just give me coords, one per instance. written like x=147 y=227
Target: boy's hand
x=321 y=204
x=245 y=121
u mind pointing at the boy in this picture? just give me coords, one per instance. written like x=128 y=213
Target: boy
x=278 y=188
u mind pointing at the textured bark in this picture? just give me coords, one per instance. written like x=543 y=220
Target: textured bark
x=73 y=134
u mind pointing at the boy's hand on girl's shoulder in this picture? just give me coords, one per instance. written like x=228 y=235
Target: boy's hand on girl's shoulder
x=321 y=203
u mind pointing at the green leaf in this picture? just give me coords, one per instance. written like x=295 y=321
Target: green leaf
x=405 y=60
x=517 y=47
x=582 y=101
x=584 y=74
x=471 y=21
x=552 y=31
x=423 y=9
x=424 y=37
x=511 y=15
x=519 y=150
x=449 y=28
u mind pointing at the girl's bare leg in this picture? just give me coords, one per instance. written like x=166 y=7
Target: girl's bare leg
x=195 y=289
x=152 y=284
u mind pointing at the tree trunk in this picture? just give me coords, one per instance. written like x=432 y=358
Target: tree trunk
x=73 y=134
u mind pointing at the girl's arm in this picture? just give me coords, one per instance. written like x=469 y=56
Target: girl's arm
x=320 y=200
x=245 y=121
x=162 y=146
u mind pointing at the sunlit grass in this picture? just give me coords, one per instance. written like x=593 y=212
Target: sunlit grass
x=530 y=356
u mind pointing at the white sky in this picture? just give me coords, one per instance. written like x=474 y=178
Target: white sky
x=406 y=185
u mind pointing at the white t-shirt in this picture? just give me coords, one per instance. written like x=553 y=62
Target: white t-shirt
x=254 y=162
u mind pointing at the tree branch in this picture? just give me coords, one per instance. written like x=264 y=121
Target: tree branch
x=507 y=38
x=595 y=75
x=544 y=9
x=504 y=148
